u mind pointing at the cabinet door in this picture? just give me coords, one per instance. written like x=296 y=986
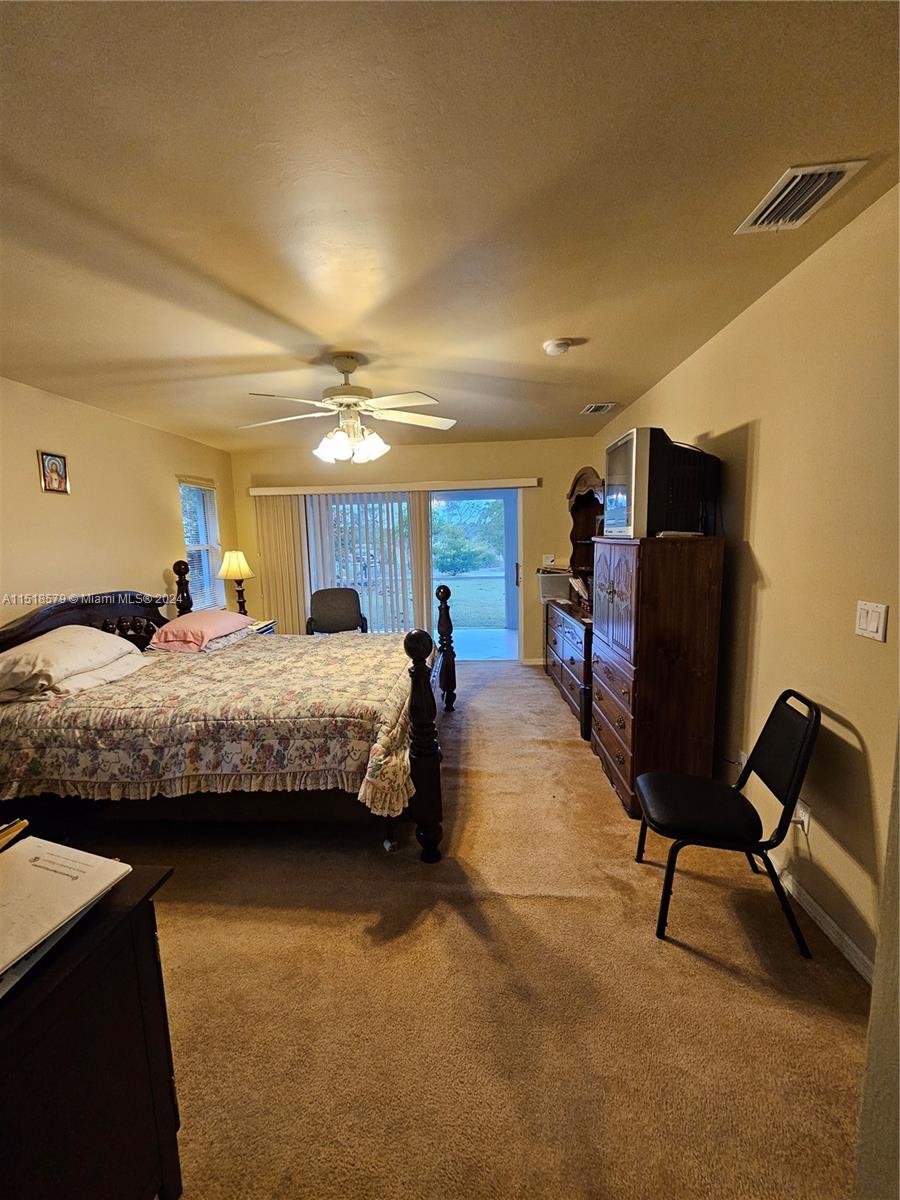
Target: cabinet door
x=623 y=586
x=602 y=592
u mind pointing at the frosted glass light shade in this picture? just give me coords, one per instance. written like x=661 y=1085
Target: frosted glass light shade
x=323 y=450
x=370 y=448
x=234 y=566
x=339 y=446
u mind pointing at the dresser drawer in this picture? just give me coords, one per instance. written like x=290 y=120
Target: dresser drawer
x=554 y=666
x=615 y=749
x=615 y=712
x=614 y=676
x=570 y=686
x=621 y=788
x=555 y=619
x=574 y=633
x=572 y=655
x=555 y=640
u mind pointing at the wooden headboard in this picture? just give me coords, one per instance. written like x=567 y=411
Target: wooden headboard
x=131 y=615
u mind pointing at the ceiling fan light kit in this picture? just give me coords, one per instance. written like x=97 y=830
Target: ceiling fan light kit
x=352 y=441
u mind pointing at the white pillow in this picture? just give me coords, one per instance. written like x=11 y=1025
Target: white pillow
x=45 y=663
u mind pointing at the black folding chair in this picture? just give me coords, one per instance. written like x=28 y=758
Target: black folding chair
x=335 y=610
x=693 y=811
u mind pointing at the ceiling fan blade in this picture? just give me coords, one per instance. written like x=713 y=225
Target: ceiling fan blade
x=406 y=418
x=293 y=399
x=402 y=400
x=281 y=420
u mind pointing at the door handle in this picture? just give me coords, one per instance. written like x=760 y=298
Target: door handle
x=518 y=574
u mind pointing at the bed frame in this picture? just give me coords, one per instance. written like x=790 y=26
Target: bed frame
x=136 y=617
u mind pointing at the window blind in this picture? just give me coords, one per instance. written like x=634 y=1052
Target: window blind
x=201 y=544
x=361 y=540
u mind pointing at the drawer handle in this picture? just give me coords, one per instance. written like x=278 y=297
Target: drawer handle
x=620 y=722
x=620 y=758
x=607 y=672
x=571 y=661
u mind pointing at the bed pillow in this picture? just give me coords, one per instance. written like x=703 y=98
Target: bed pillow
x=194 y=631
x=46 y=663
x=228 y=639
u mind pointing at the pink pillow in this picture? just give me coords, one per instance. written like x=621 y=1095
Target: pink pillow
x=192 y=631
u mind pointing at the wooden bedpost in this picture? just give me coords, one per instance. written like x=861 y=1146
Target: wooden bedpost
x=424 y=751
x=447 y=676
x=183 y=601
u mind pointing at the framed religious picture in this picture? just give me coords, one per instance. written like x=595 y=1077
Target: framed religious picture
x=54 y=472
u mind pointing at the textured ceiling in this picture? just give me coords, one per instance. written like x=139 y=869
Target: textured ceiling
x=198 y=199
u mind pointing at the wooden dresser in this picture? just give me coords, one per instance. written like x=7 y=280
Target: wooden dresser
x=654 y=656
x=567 y=658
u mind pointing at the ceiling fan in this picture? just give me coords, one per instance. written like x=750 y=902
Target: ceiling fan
x=351 y=439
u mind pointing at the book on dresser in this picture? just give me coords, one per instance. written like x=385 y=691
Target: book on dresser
x=654 y=656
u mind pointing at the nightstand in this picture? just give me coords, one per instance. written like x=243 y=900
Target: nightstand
x=265 y=626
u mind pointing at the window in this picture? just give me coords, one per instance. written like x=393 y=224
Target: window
x=201 y=544
x=362 y=541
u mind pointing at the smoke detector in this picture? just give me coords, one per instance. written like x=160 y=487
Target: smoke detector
x=591 y=410
x=557 y=346
x=797 y=195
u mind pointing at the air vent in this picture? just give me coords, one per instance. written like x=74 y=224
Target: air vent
x=591 y=409
x=797 y=195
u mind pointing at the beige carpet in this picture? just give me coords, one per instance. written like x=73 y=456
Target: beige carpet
x=505 y=1024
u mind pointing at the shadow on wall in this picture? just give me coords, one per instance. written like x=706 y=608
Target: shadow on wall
x=839 y=783
x=737 y=448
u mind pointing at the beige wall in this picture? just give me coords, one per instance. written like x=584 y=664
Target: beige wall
x=545 y=520
x=878 y=1170
x=121 y=525
x=798 y=396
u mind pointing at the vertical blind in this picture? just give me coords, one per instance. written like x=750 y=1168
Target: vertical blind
x=362 y=540
x=281 y=539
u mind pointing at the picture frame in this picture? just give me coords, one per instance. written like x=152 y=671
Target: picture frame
x=54 y=472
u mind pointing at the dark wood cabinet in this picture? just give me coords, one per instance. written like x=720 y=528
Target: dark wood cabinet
x=654 y=656
x=87 y=1093
x=567 y=658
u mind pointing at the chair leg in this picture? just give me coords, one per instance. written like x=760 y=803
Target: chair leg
x=642 y=837
x=752 y=861
x=663 y=917
x=786 y=907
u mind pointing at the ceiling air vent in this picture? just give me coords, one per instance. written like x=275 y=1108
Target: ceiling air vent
x=797 y=195
x=592 y=409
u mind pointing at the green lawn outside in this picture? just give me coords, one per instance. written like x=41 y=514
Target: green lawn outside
x=476 y=602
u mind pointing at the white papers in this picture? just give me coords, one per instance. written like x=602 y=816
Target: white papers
x=43 y=887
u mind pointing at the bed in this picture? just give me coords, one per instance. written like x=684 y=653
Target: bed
x=287 y=713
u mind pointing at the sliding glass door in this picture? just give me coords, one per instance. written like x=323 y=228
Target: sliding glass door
x=474 y=549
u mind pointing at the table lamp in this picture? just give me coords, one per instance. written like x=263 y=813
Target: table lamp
x=235 y=566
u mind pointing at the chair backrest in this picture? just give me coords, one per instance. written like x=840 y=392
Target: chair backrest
x=335 y=610
x=782 y=753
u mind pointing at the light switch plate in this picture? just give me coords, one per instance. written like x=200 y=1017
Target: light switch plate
x=549 y=560
x=871 y=620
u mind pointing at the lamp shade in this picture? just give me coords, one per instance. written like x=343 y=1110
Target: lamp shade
x=234 y=566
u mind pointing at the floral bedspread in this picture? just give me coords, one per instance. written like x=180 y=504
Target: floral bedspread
x=266 y=714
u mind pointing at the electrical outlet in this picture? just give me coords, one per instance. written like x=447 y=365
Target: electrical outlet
x=801 y=816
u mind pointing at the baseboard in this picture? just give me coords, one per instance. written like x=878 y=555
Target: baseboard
x=830 y=928
x=531 y=662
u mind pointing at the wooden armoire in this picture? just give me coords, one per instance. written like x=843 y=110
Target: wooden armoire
x=654 y=656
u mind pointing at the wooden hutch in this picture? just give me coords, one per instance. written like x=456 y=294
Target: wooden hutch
x=654 y=656
x=637 y=662
x=567 y=629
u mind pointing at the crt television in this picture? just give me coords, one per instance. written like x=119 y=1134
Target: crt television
x=655 y=485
